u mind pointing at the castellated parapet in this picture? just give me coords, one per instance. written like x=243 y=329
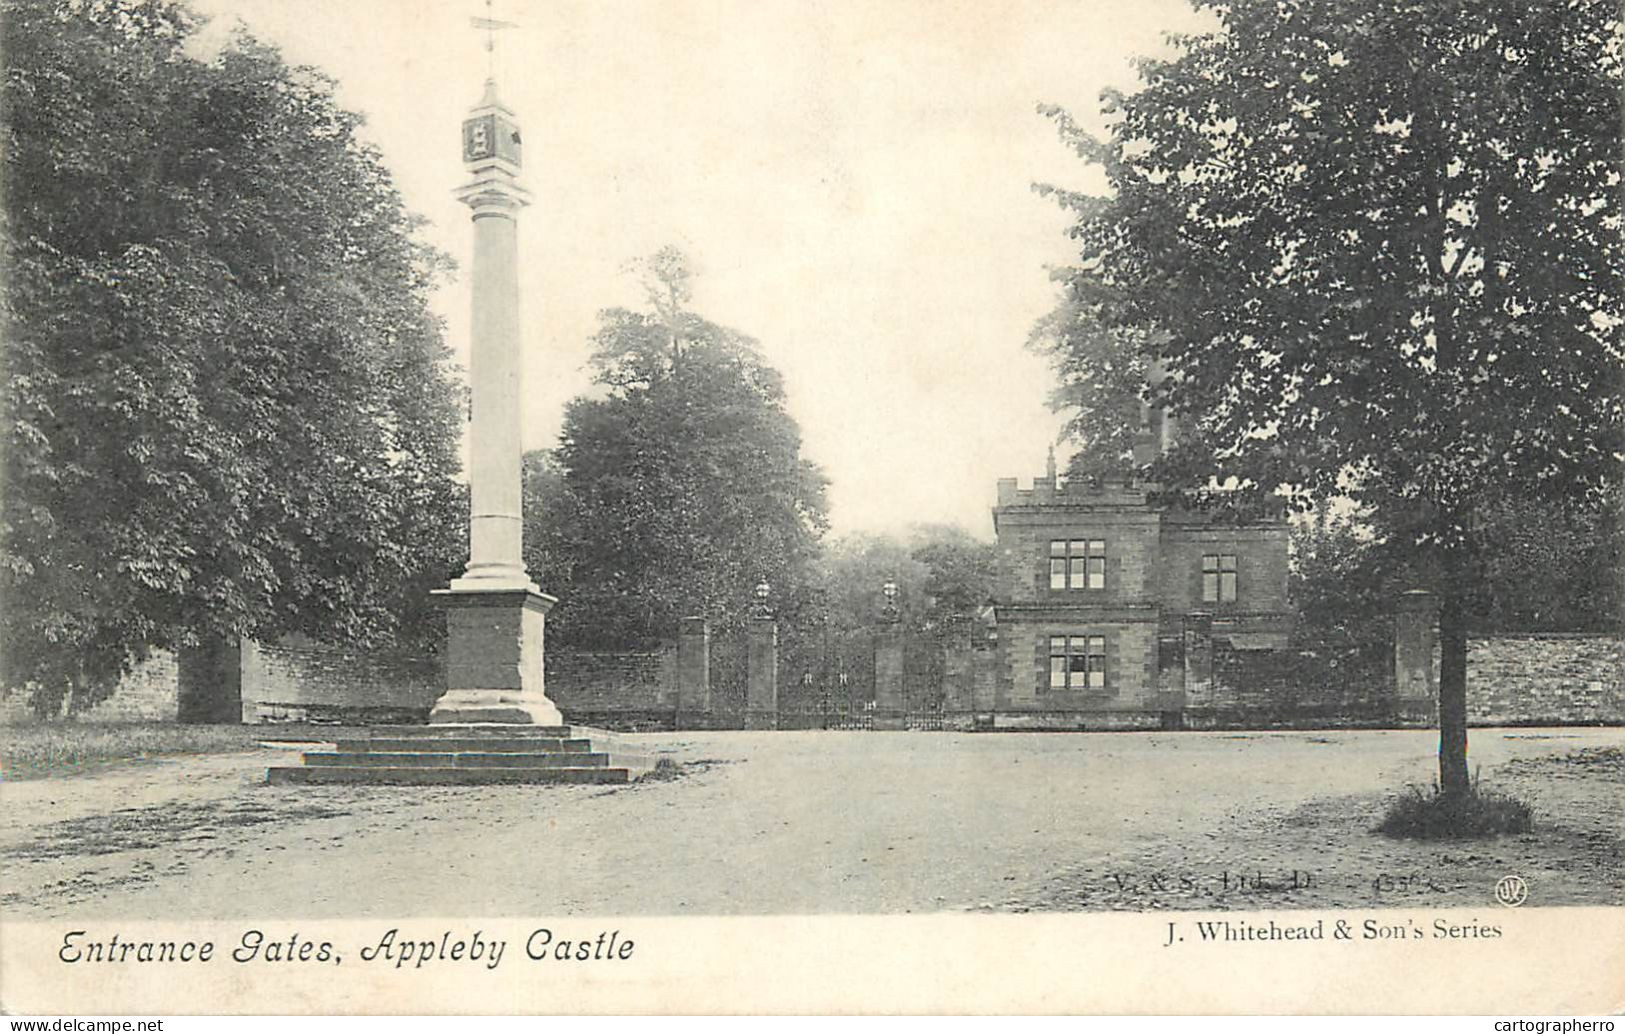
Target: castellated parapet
x=1048 y=491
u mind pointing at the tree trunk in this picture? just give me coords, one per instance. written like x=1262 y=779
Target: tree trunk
x=1453 y=779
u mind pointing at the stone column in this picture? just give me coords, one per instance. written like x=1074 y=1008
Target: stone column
x=1416 y=652
x=693 y=673
x=1199 y=660
x=494 y=613
x=496 y=367
x=762 y=674
x=890 y=705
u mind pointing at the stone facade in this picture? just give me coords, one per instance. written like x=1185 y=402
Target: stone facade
x=1099 y=566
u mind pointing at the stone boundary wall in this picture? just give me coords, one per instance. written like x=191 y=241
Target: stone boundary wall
x=1546 y=679
x=1513 y=679
x=628 y=690
x=149 y=693
x=1283 y=689
x=299 y=680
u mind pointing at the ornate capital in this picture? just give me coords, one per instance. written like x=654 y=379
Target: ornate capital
x=493 y=192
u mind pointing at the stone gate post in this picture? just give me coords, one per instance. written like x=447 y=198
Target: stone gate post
x=889 y=702
x=1416 y=652
x=762 y=674
x=958 y=680
x=693 y=673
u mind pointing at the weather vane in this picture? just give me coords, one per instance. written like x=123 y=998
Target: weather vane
x=490 y=25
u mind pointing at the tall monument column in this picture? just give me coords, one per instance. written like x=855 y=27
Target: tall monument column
x=494 y=613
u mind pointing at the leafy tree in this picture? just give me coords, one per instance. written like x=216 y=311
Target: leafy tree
x=1342 y=582
x=228 y=407
x=1549 y=565
x=683 y=483
x=1370 y=249
x=1545 y=566
x=552 y=529
x=943 y=577
x=961 y=577
x=853 y=571
x=835 y=636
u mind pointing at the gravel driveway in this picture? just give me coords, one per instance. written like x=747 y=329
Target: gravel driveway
x=808 y=822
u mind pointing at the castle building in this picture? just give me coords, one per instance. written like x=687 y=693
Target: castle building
x=1109 y=601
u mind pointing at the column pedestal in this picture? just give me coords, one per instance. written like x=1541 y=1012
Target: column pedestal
x=494 y=641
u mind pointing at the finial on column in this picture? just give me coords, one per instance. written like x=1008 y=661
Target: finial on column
x=1049 y=464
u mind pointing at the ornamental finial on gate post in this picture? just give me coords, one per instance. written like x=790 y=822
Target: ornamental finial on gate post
x=888 y=609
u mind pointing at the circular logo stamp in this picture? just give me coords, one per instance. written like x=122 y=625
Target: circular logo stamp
x=1511 y=891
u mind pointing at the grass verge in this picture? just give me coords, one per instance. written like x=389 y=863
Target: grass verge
x=43 y=750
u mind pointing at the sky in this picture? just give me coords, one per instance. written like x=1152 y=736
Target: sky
x=852 y=180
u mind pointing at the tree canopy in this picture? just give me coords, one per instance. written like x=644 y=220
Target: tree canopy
x=1545 y=566
x=1377 y=249
x=1367 y=249
x=229 y=409
x=678 y=485
x=943 y=576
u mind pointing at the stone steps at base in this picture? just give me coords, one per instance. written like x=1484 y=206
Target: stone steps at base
x=369 y=775
x=462 y=745
x=470 y=755
x=430 y=758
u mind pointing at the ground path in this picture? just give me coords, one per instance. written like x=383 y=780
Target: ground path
x=824 y=822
